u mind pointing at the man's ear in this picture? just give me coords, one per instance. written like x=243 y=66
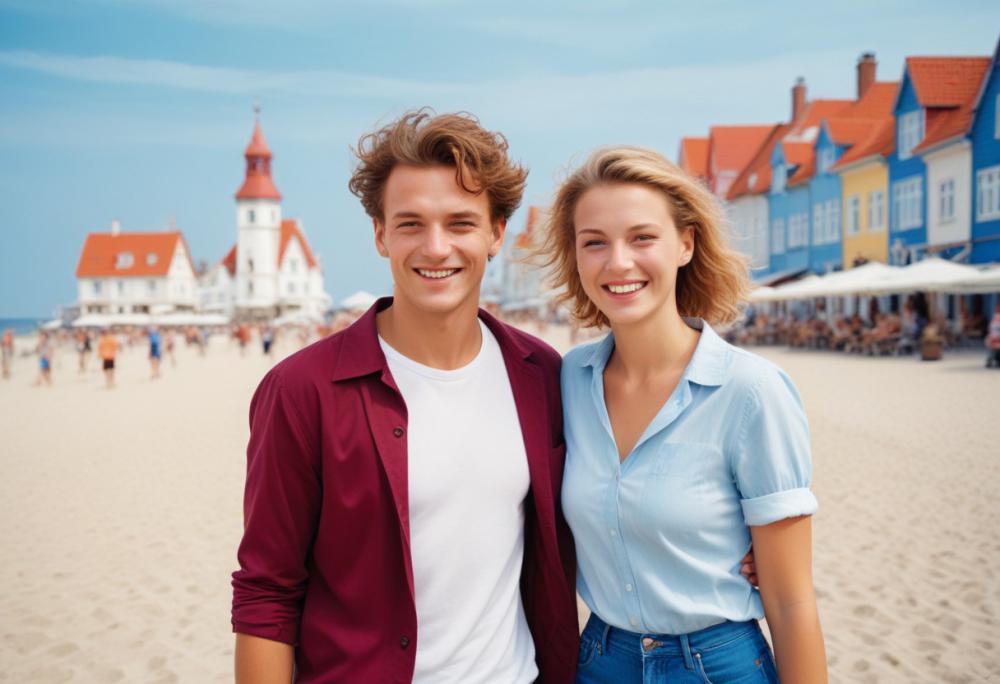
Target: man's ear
x=380 y=237
x=499 y=230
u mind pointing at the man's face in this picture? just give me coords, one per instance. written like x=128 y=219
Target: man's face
x=437 y=237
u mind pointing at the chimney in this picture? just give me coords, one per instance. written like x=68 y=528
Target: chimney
x=866 y=73
x=116 y=226
x=798 y=97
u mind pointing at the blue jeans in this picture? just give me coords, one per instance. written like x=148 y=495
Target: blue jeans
x=726 y=653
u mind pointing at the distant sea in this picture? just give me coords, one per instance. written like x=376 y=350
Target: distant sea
x=21 y=326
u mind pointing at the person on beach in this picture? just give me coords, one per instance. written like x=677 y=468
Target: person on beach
x=993 y=340
x=169 y=342
x=44 y=351
x=682 y=450
x=6 y=352
x=107 y=349
x=267 y=339
x=401 y=513
x=155 y=353
x=83 y=349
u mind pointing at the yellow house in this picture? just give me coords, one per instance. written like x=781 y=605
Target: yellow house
x=864 y=177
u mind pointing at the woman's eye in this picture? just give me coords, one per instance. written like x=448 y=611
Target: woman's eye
x=591 y=243
x=645 y=238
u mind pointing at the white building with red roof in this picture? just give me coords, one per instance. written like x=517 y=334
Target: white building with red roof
x=271 y=270
x=135 y=273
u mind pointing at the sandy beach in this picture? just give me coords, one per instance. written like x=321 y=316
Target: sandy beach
x=121 y=513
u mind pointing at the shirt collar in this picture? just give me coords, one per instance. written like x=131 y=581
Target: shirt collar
x=708 y=365
x=360 y=353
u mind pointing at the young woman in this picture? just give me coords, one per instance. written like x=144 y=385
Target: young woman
x=681 y=449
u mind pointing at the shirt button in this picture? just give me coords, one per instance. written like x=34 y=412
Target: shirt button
x=398 y=431
x=404 y=642
x=628 y=587
x=633 y=621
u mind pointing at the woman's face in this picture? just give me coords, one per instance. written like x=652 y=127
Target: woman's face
x=628 y=251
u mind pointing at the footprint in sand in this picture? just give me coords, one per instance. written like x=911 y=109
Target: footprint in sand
x=63 y=649
x=863 y=610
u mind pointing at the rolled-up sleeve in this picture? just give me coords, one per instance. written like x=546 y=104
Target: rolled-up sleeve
x=280 y=511
x=772 y=465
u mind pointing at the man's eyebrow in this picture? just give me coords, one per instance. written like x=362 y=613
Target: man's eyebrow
x=465 y=214
x=406 y=214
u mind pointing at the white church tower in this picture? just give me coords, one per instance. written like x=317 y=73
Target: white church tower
x=258 y=222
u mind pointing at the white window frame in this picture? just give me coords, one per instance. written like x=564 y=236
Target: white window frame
x=876 y=211
x=910 y=133
x=988 y=193
x=817 y=224
x=907 y=198
x=853 y=214
x=780 y=177
x=833 y=222
x=97 y=288
x=124 y=260
x=251 y=216
x=778 y=236
x=946 y=200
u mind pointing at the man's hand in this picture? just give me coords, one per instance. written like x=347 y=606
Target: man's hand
x=748 y=569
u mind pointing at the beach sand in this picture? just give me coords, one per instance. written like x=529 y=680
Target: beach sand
x=121 y=512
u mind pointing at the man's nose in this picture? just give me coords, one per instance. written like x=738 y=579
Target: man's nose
x=436 y=242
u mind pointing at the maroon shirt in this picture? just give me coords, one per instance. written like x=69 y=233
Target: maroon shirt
x=325 y=556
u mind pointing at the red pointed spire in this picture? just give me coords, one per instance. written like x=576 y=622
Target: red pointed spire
x=258 y=183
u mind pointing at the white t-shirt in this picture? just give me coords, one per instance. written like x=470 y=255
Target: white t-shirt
x=468 y=478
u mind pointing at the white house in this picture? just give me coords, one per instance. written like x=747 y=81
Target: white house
x=135 y=273
x=523 y=283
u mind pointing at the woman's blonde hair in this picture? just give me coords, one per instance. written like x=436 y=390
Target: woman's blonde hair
x=712 y=285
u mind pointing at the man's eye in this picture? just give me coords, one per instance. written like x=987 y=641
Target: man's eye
x=465 y=224
x=407 y=224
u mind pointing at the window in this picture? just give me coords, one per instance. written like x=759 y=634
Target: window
x=910 y=133
x=988 y=194
x=250 y=265
x=876 y=210
x=152 y=285
x=826 y=159
x=291 y=288
x=946 y=200
x=151 y=259
x=121 y=287
x=996 y=115
x=97 y=287
x=907 y=203
x=817 y=224
x=293 y=264
x=832 y=221
x=251 y=216
x=250 y=288
x=124 y=260
x=853 y=214
x=274 y=216
x=780 y=176
x=777 y=236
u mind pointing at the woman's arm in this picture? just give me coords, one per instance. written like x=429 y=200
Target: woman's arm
x=783 y=553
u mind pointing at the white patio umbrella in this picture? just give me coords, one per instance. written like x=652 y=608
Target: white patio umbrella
x=359 y=301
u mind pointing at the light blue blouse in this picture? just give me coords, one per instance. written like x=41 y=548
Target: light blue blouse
x=659 y=538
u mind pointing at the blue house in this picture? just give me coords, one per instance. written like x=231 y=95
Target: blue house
x=985 y=138
x=932 y=89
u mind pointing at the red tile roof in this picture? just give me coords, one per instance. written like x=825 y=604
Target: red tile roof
x=877 y=103
x=880 y=140
x=946 y=81
x=806 y=127
x=525 y=237
x=759 y=168
x=694 y=157
x=956 y=121
x=229 y=261
x=258 y=183
x=732 y=147
x=151 y=254
x=290 y=230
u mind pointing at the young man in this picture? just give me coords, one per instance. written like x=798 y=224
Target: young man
x=402 y=517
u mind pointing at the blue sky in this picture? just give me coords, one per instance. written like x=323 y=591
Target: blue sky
x=140 y=109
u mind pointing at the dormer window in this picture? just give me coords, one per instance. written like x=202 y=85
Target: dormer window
x=124 y=260
x=911 y=132
x=752 y=180
x=825 y=160
x=151 y=259
x=251 y=216
x=780 y=177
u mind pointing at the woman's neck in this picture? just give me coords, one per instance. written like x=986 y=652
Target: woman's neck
x=650 y=347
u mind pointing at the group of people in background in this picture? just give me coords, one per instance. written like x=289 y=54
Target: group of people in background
x=878 y=333
x=160 y=344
